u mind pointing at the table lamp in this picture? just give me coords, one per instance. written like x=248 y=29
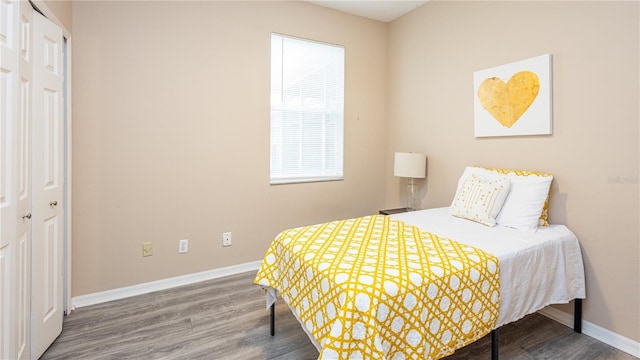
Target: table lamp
x=412 y=166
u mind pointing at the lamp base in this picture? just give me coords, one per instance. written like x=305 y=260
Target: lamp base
x=412 y=196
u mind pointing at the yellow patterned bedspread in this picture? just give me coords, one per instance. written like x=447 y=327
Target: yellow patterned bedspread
x=377 y=288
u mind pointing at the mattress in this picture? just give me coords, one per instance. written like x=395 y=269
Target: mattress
x=537 y=269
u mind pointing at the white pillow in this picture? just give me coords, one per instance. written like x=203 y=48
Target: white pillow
x=524 y=205
x=480 y=200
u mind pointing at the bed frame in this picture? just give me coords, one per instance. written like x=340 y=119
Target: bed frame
x=577 y=326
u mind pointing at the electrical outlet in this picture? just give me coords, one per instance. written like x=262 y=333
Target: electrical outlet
x=183 y=246
x=147 y=249
x=226 y=239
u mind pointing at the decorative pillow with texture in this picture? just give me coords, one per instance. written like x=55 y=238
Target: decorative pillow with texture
x=480 y=200
x=526 y=205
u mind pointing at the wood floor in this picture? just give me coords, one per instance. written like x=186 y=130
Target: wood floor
x=226 y=318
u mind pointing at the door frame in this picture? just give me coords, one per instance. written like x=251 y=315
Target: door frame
x=41 y=6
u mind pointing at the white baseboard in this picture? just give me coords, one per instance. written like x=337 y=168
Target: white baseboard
x=597 y=332
x=121 y=293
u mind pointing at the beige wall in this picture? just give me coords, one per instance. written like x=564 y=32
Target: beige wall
x=171 y=123
x=171 y=134
x=61 y=9
x=593 y=151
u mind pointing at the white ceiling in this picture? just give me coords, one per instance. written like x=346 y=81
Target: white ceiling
x=381 y=10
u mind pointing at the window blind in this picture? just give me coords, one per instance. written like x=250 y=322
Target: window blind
x=307 y=110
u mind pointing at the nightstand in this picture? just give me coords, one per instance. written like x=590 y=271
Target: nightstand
x=393 y=211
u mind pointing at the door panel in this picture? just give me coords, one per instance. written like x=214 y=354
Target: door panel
x=24 y=296
x=47 y=244
x=51 y=133
x=7 y=75
x=7 y=349
x=51 y=245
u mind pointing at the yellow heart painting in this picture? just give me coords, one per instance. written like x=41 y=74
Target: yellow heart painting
x=506 y=102
x=513 y=99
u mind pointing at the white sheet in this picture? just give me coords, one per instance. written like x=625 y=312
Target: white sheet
x=536 y=269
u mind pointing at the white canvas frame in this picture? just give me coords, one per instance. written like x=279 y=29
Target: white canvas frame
x=536 y=120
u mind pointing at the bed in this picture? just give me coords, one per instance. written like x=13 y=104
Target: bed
x=420 y=284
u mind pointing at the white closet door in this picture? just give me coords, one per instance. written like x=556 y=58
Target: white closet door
x=23 y=156
x=15 y=253
x=9 y=124
x=47 y=306
x=31 y=181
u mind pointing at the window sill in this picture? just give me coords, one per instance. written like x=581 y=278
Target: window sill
x=301 y=181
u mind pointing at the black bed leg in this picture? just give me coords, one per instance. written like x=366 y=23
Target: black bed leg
x=273 y=319
x=494 y=344
x=577 y=316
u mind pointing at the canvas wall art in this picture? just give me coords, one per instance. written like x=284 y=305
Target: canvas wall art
x=514 y=99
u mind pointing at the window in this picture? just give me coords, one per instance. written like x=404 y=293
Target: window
x=307 y=106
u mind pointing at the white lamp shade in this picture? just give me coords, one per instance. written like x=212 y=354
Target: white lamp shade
x=410 y=165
